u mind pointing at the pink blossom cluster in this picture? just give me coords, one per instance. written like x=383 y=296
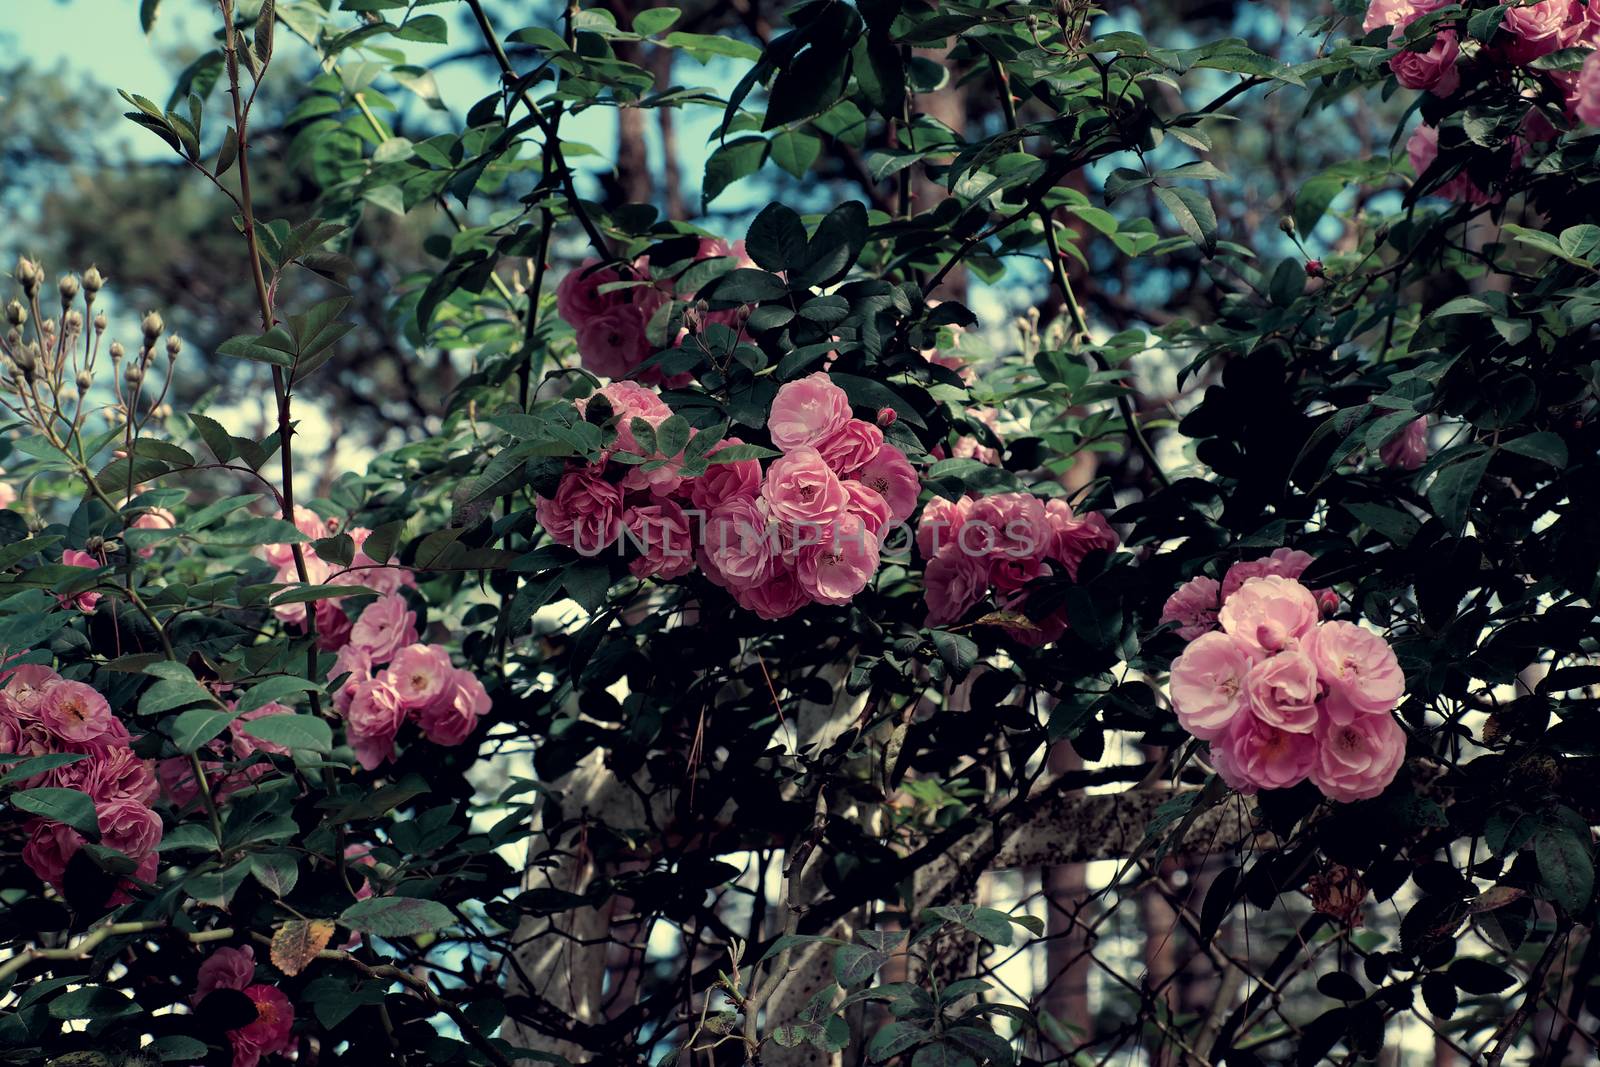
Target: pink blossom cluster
x=333 y=624
x=1528 y=32
x=43 y=713
x=1280 y=694
x=806 y=528
x=983 y=545
x=390 y=678
x=271 y=1032
x=610 y=307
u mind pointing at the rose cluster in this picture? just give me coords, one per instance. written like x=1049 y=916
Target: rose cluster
x=610 y=307
x=226 y=759
x=976 y=547
x=1281 y=695
x=272 y=1031
x=42 y=713
x=1527 y=32
x=807 y=528
x=389 y=676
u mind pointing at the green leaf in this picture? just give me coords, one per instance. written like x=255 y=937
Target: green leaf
x=703 y=46
x=275 y=690
x=777 y=238
x=731 y=161
x=1194 y=214
x=197 y=726
x=429 y=29
x=277 y=871
x=397 y=916
x=170 y=693
x=69 y=806
x=795 y=151
x=1542 y=445
x=1566 y=870
x=275 y=347
x=296 y=732
x=652 y=21
x=1454 y=486
x=148 y=10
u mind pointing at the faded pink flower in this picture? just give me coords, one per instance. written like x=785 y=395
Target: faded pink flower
x=27 y=686
x=272 y=1031
x=1422 y=148
x=1538 y=28
x=890 y=473
x=352 y=661
x=1269 y=615
x=1358 y=667
x=741 y=544
x=1283 y=562
x=800 y=488
x=454 y=713
x=1283 y=692
x=613 y=343
x=153 y=519
x=840 y=566
x=1433 y=69
x=1075 y=539
x=131 y=828
x=1194 y=607
x=115 y=774
x=1408 y=449
x=1357 y=760
x=1013 y=525
x=418 y=674
x=851 y=447
x=953 y=583
x=226 y=968
x=724 y=481
x=578 y=297
x=869 y=507
x=1396 y=13
x=778 y=597
x=373 y=721
x=941 y=524
x=333 y=625
x=660 y=533
x=1257 y=755
x=807 y=412
x=1207 y=685
x=585 y=513
x=86 y=601
x=50 y=847
x=1585 y=99
x=76 y=712
x=386 y=626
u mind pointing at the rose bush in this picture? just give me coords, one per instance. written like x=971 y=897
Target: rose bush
x=670 y=696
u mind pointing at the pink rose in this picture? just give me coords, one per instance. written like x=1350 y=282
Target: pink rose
x=1283 y=692
x=724 y=481
x=578 y=297
x=454 y=713
x=28 y=685
x=807 y=412
x=851 y=447
x=153 y=519
x=373 y=721
x=953 y=583
x=333 y=625
x=838 y=568
x=226 y=968
x=629 y=401
x=1408 y=449
x=1269 y=615
x=50 y=847
x=1433 y=70
x=385 y=627
x=352 y=661
x=418 y=674
x=84 y=602
x=131 y=828
x=1396 y=13
x=1013 y=525
x=1357 y=760
x=76 y=712
x=777 y=597
x=1075 y=538
x=1009 y=573
x=1358 y=667
x=1585 y=99
x=1207 y=685
x=1283 y=562
x=585 y=513
x=1194 y=607
x=8 y=495
x=1538 y=28
x=271 y=1033
x=941 y=523
x=869 y=507
x=1255 y=755
x=890 y=473
x=741 y=543
x=307 y=522
x=613 y=343
x=115 y=774
x=661 y=534
x=1422 y=149
x=801 y=489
